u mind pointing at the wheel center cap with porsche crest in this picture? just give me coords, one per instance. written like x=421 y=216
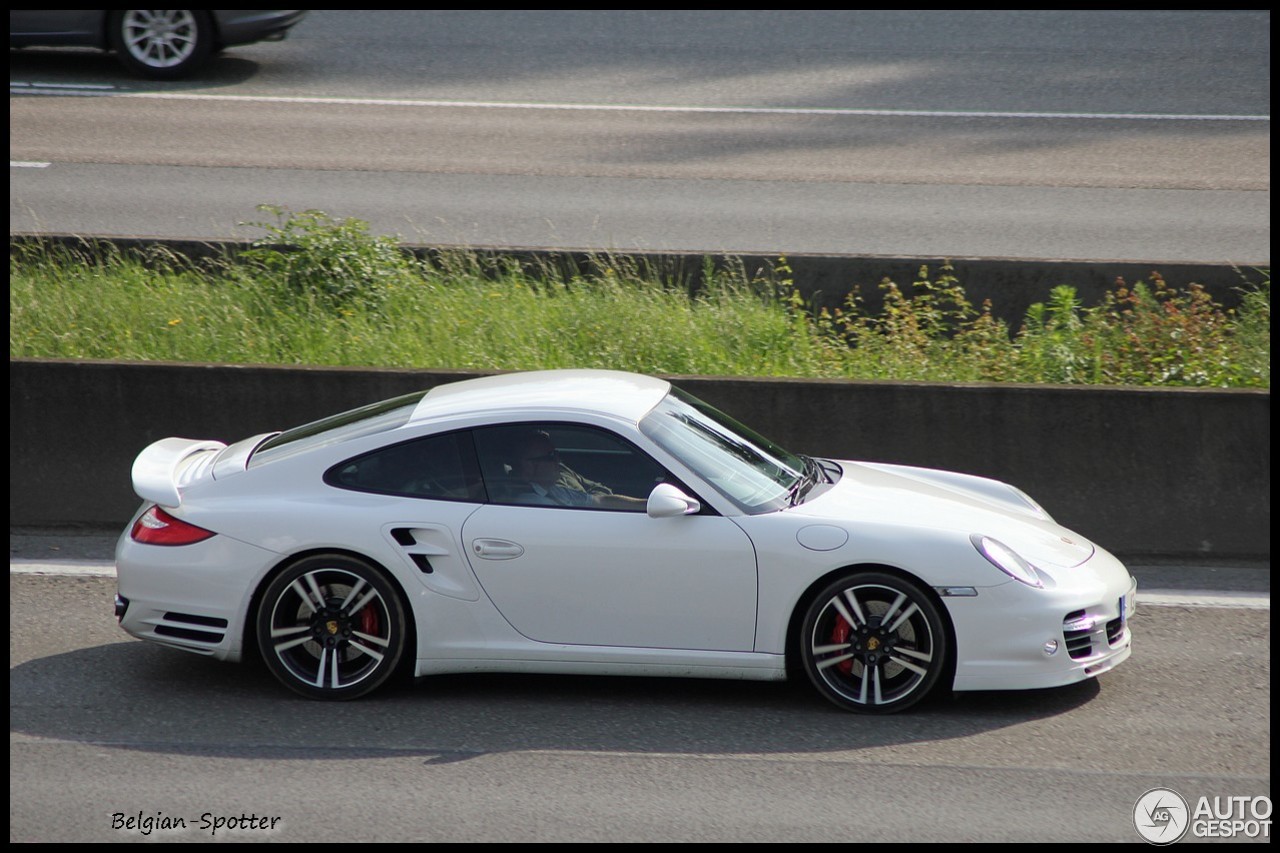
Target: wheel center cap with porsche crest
x=330 y=628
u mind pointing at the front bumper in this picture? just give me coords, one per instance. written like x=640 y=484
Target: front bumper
x=1016 y=637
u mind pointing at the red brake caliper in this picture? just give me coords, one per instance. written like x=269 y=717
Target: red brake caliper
x=840 y=634
x=369 y=620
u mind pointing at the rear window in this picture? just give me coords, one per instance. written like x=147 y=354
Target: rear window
x=367 y=420
x=440 y=467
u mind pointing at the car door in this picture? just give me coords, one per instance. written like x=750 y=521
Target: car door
x=598 y=570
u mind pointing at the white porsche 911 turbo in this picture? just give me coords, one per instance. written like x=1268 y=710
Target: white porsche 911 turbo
x=586 y=521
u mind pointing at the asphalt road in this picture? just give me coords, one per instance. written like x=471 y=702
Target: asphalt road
x=101 y=725
x=1087 y=135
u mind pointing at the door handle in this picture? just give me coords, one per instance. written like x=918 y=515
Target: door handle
x=496 y=549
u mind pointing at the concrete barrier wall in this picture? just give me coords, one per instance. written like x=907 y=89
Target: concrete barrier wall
x=1142 y=472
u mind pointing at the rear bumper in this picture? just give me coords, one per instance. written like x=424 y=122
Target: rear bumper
x=246 y=27
x=189 y=597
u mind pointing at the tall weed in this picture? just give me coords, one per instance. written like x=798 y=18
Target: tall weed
x=316 y=290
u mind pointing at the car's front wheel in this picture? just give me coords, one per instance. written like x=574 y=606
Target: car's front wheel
x=873 y=642
x=331 y=627
x=163 y=44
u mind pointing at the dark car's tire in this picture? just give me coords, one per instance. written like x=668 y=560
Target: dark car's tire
x=161 y=44
x=873 y=642
x=331 y=627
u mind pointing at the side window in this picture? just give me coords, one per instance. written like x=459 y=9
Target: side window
x=440 y=467
x=565 y=465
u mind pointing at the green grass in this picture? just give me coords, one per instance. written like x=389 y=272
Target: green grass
x=345 y=297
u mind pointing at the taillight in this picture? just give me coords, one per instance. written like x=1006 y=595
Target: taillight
x=157 y=527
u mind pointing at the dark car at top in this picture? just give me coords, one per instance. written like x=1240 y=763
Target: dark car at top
x=163 y=44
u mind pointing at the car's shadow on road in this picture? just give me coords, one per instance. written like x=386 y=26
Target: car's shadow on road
x=85 y=67
x=130 y=695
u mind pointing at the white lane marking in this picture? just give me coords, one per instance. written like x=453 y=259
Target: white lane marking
x=1146 y=598
x=27 y=164
x=64 y=568
x=1203 y=598
x=21 y=86
x=50 y=89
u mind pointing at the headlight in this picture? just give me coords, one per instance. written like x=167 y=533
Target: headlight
x=1006 y=560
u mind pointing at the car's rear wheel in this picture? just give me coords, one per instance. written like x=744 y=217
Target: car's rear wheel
x=873 y=642
x=331 y=627
x=163 y=44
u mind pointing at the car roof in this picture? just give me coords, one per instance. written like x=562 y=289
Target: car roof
x=627 y=396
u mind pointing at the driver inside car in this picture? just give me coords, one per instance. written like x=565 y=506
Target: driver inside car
x=553 y=483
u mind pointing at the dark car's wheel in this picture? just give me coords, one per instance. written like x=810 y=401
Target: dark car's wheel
x=163 y=44
x=873 y=642
x=331 y=627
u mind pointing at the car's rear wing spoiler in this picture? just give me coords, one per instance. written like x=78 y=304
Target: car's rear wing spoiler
x=165 y=468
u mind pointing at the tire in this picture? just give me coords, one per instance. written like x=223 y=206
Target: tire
x=162 y=44
x=873 y=642
x=331 y=627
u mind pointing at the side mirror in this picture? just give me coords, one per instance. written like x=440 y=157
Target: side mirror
x=666 y=501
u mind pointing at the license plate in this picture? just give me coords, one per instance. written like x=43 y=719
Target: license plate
x=1128 y=605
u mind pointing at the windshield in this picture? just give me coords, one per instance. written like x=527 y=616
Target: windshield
x=748 y=469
